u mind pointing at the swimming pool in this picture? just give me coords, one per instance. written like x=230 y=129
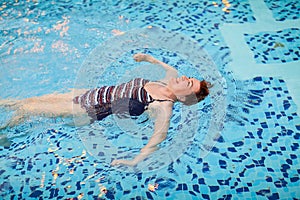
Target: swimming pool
x=253 y=44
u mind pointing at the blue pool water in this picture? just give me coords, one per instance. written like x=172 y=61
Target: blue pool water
x=243 y=142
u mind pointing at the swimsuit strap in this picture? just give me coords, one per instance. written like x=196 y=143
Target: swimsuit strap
x=159 y=100
x=162 y=100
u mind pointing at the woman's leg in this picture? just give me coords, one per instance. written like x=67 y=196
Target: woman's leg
x=50 y=105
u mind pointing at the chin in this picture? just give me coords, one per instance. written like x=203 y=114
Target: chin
x=172 y=81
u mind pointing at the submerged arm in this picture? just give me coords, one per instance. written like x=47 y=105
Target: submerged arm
x=162 y=123
x=170 y=71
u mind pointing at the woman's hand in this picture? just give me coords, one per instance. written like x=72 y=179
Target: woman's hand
x=139 y=57
x=123 y=162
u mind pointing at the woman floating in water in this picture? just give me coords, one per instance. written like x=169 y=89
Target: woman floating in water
x=131 y=98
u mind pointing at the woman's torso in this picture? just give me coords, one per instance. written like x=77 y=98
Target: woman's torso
x=139 y=89
x=133 y=89
x=133 y=97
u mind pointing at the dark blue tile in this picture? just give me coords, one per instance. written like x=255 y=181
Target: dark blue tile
x=36 y=194
x=242 y=189
x=214 y=188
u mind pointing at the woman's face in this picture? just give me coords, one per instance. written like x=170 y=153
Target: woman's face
x=184 y=86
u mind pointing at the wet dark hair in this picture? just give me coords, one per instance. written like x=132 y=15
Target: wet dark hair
x=203 y=91
x=199 y=95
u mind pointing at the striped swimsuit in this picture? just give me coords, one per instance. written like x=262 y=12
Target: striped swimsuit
x=127 y=98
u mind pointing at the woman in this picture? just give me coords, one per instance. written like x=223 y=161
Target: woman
x=131 y=98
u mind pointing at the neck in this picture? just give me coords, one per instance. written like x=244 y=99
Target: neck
x=160 y=91
x=169 y=93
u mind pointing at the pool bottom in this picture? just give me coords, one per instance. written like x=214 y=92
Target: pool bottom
x=257 y=156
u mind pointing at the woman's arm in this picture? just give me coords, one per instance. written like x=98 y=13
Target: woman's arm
x=170 y=71
x=162 y=122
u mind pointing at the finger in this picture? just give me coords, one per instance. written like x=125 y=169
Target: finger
x=135 y=57
x=116 y=162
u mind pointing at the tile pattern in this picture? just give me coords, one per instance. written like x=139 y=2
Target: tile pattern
x=284 y=10
x=200 y=20
x=256 y=157
x=275 y=47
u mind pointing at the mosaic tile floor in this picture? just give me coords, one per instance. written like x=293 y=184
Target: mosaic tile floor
x=281 y=60
x=279 y=47
x=257 y=155
x=282 y=11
